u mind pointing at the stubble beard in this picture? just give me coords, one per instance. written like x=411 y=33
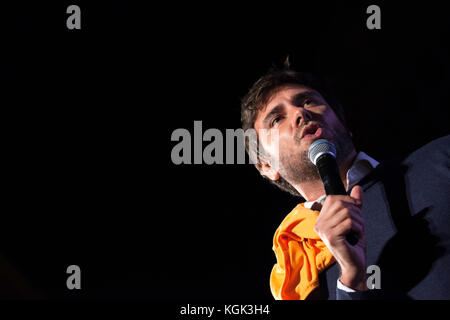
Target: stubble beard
x=296 y=167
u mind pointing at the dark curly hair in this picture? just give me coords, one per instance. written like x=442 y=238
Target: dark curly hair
x=259 y=95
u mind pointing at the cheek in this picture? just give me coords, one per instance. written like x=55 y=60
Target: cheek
x=331 y=120
x=288 y=145
x=275 y=141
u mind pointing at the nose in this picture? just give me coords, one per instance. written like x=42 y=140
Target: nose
x=301 y=116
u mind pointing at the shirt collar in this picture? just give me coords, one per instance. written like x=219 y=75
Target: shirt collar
x=362 y=165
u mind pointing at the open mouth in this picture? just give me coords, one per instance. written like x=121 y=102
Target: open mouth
x=311 y=131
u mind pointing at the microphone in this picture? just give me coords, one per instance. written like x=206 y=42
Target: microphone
x=322 y=154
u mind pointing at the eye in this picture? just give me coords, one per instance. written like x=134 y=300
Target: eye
x=275 y=120
x=307 y=102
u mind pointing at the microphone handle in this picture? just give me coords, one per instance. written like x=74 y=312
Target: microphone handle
x=329 y=173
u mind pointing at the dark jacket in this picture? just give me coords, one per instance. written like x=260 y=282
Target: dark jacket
x=406 y=208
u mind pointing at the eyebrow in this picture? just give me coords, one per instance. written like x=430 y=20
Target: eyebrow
x=276 y=110
x=300 y=97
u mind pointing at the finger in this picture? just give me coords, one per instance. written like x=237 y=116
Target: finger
x=348 y=225
x=356 y=214
x=357 y=194
x=358 y=228
x=334 y=200
x=351 y=212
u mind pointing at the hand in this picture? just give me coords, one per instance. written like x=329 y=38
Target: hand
x=338 y=216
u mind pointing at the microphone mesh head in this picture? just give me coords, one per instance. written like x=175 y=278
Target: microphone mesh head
x=320 y=147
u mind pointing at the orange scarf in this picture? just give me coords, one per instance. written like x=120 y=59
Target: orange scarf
x=301 y=256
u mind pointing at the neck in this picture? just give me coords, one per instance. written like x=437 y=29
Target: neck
x=312 y=190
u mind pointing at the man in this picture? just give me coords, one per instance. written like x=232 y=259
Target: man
x=399 y=209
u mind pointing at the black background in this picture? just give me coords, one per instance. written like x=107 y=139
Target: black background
x=88 y=116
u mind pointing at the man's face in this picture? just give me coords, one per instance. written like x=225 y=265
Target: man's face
x=301 y=116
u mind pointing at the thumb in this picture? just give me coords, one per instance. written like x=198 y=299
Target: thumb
x=357 y=194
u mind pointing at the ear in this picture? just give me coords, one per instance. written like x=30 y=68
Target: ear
x=266 y=170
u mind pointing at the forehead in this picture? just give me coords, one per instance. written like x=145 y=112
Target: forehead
x=284 y=94
x=281 y=95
